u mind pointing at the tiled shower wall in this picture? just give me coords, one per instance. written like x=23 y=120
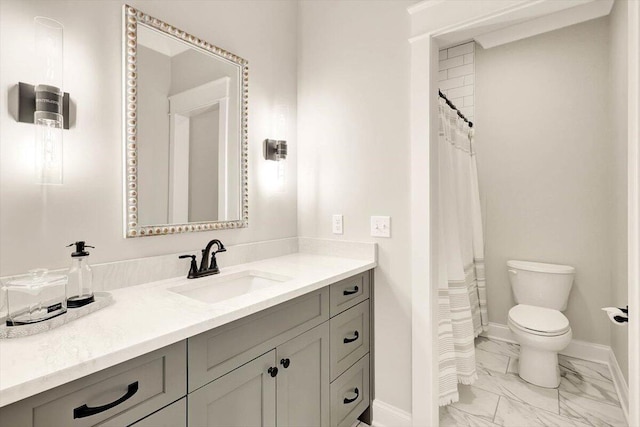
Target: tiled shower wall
x=457 y=75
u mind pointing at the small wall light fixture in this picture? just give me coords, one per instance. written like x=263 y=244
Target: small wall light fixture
x=276 y=149
x=45 y=104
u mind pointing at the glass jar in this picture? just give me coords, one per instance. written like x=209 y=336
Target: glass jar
x=38 y=297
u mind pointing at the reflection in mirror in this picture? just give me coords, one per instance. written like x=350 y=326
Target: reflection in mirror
x=190 y=131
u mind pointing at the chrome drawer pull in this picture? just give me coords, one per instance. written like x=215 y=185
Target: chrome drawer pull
x=351 y=291
x=86 y=411
x=346 y=400
x=356 y=335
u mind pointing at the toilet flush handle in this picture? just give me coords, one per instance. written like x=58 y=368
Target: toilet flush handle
x=513 y=272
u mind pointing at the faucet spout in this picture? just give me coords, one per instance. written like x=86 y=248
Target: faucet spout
x=206 y=252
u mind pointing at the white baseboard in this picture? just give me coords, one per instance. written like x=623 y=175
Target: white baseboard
x=385 y=415
x=621 y=385
x=500 y=332
x=579 y=349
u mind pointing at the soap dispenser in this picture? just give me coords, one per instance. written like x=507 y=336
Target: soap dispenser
x=79 y=286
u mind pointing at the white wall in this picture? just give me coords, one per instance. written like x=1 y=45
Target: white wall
x=618 y=206
x=37 y=222
x=203 y=165
x=353 y=81
x=154 y=70
x=545 y=165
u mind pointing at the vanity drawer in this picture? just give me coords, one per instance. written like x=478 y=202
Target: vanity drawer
x=349 y=292
x=350 y=394
x=349 y=338
x=115 y=396
x=217 y=352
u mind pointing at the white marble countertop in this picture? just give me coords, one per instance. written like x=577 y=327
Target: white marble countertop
x=147 y=317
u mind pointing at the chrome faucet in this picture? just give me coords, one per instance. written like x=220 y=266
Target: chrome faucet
x=206 y=268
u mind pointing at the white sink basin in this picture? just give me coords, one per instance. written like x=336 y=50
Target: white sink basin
x=213 y=289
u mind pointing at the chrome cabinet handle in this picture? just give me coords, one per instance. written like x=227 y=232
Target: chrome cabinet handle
x=346 y=400
x=87 y=411
x=351 y=291
x=347 y=340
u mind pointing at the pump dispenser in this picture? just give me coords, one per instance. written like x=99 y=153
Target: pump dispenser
x=80 y=285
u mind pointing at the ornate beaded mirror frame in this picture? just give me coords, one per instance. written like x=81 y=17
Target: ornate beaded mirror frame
x=132 y=19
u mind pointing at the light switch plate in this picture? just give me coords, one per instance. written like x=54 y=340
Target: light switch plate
x=337 y=224
x=381 y=226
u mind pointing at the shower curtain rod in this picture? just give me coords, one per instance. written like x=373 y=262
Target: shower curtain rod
x=450 y=104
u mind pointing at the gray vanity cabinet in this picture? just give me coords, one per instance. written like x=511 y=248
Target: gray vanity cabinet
x=305 y=362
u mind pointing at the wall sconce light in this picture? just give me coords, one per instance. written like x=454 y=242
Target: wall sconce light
x=45 y=104
x=276 y=149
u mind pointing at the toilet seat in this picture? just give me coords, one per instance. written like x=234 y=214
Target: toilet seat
x=539 y=320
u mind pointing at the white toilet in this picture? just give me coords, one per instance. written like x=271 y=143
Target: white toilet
x=541 y=292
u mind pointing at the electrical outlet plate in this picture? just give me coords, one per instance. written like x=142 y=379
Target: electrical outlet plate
x=337 y=224
x=381 y=226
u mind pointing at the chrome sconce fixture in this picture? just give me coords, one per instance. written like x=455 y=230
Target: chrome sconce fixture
x=276 y=149
x=45 y=104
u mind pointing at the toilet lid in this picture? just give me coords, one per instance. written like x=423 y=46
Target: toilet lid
x=539 y=320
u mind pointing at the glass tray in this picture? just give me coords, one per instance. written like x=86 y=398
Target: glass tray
x=102 y=299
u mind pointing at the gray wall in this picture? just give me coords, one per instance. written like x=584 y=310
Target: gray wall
x=42 y=220
x=545 y=165
x=618 y=205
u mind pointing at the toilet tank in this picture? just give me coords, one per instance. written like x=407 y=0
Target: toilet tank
x=542 y=285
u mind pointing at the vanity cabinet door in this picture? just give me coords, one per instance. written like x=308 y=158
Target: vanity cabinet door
x=303 y=380
x=245 y=397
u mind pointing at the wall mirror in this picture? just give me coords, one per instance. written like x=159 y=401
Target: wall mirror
x=185 y=131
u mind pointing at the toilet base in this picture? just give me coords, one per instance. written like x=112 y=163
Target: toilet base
x=539 y=367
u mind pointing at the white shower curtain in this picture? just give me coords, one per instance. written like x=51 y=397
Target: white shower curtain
x=462 y=296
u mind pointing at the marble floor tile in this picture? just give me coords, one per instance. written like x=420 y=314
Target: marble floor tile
x=453 y=417
x=499 y=347
x=591 y=412
x=602 y=391
x=477 y=402
x=585 y=368
x=493 y=361
x=511 y=413
x=513 y=387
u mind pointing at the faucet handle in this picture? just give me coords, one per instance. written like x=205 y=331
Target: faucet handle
x=194 y=265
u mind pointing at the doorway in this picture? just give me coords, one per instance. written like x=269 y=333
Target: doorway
x=438 y=24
